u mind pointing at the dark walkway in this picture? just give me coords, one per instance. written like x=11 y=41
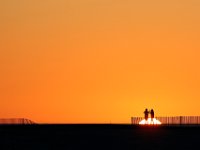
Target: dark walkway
x=97 y=137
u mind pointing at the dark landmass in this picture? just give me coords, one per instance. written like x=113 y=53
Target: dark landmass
x=98 y=137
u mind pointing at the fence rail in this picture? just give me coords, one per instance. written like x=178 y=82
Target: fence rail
x=172 y=120
x=15 y=121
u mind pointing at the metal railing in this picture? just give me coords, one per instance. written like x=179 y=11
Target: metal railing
x=172 y=120
x=15 y=121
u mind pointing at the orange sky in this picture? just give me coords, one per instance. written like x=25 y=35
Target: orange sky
x=98 y=61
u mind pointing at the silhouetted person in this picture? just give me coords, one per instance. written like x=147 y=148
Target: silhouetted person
x=152 y=114
x=146 y=113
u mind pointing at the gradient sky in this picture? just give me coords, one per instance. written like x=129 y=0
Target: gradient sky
x=99 y=61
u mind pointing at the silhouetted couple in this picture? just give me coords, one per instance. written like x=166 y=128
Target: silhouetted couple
x=146 y=114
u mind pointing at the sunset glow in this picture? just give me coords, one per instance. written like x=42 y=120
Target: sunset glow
x=150 y=121
x=98 y=61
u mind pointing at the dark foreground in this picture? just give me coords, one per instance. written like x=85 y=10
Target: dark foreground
x=98 y=137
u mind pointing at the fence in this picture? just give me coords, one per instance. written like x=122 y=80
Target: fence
x=172 y=120
x=15 y=121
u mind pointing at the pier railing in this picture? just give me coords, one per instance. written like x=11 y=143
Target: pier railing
x=15 y=121
x=172 y=120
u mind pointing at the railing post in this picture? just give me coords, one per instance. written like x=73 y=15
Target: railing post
x=181 y=120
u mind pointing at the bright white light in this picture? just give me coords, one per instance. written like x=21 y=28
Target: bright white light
x=150 y=121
